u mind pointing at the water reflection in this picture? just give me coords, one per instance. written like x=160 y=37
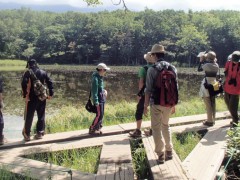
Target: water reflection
x=73 y=87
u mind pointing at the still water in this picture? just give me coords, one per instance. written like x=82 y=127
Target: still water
x=73 y=88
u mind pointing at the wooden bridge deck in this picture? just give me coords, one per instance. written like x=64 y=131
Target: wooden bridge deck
x=116 y=160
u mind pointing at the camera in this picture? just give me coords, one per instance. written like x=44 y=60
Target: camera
x=232 y=81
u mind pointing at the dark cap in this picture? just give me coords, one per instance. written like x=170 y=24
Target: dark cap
x=31 y=63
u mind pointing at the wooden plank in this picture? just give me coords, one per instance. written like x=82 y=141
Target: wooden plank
x=117 y=151
x=206 y=158
x=110 y=171
x=171 y=169
x=102 y=171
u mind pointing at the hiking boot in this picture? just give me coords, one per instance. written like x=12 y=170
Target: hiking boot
x=25 y=136
x=3 y=140
x=148 y=132
x=161 y=159
x=206 y=123
x=135 y=133
x=168 y=155
x=38 y=136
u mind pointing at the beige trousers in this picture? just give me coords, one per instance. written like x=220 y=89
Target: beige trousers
x=160 y=128
x=211 y=108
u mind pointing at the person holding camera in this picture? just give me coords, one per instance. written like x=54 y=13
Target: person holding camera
x=208 y=64
x=232 y=86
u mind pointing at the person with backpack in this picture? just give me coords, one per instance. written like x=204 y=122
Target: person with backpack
x=141 y=98
x=208 y=64
x=99 y=95
x=161 y=93
x=232 y=86
x=34 y=92
x=2 y=138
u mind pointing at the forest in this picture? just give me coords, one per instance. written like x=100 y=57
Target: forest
x=119 y=37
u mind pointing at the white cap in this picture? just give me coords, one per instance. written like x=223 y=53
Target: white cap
x=102 y=66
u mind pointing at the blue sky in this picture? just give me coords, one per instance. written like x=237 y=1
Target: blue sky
x=139 y=5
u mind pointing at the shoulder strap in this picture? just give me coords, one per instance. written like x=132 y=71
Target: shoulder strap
x=32 y=75
x=89 y=94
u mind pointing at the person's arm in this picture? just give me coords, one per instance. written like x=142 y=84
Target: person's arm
x=95 y=90
x=49 y=83
x=24 y=83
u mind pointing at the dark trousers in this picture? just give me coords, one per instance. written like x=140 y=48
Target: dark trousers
x=232 y=105
x=98 y=120
x=1 y=124
x=140 y=109
x=31 y=107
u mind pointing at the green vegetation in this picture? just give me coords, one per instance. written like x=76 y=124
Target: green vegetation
x=233 y=153
x=117 y=37
x=7 y=175
x=84 y=159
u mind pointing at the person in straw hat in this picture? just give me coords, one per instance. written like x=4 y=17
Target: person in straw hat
x=159 y=114
x=98 y=95
x=208 y=64
x=141 y=86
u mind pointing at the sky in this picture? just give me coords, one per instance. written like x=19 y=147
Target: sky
x=140 y=5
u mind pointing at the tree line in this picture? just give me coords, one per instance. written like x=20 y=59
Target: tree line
x=117 y=38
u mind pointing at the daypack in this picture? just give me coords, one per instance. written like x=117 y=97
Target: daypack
x=166 y=87
x=40 y=90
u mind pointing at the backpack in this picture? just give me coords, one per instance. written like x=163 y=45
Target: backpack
x=40 y=90
x=166 y=87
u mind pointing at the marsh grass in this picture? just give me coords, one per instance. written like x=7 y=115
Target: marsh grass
x=84 y=159
x=5 y=174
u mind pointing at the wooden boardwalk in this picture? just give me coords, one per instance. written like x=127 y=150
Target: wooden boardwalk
x=115 y=159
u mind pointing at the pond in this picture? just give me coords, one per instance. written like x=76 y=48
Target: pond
x=72 y=88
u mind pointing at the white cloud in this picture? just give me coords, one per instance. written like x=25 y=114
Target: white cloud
x=139 y=5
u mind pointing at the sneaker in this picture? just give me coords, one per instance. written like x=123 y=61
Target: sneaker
x=94 y=132
x=25 y=136
x=135 y=133
x=148 y=132
x=3 y=140
x=161 y=159
x=38 y=136
x=206 y=123
x=168 y=155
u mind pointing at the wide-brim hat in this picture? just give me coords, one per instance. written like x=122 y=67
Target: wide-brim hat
x=147 y=56
x=102 y=66
x=157 y=48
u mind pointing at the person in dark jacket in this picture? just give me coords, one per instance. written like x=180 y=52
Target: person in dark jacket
x=99 y=95
x=33 y=103
x=2 y=138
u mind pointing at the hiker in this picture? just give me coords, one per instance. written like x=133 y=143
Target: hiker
x=161 y=107
x=208 y=64
x=34 y=102
x=98 y=94
x=232 y=86
x=141 y=98
x=2 y=138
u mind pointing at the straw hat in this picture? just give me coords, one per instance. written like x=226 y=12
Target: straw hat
x=157 y=48
x=147 y=56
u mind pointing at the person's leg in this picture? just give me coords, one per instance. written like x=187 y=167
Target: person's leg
x=98 y=118
x=233 y=108
x=213 y=102
x=138 y=116
x=1 y=129
x=41 y=106
x=208 y=104
x=29 y=114
x=156 y=116
x=166 y=128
